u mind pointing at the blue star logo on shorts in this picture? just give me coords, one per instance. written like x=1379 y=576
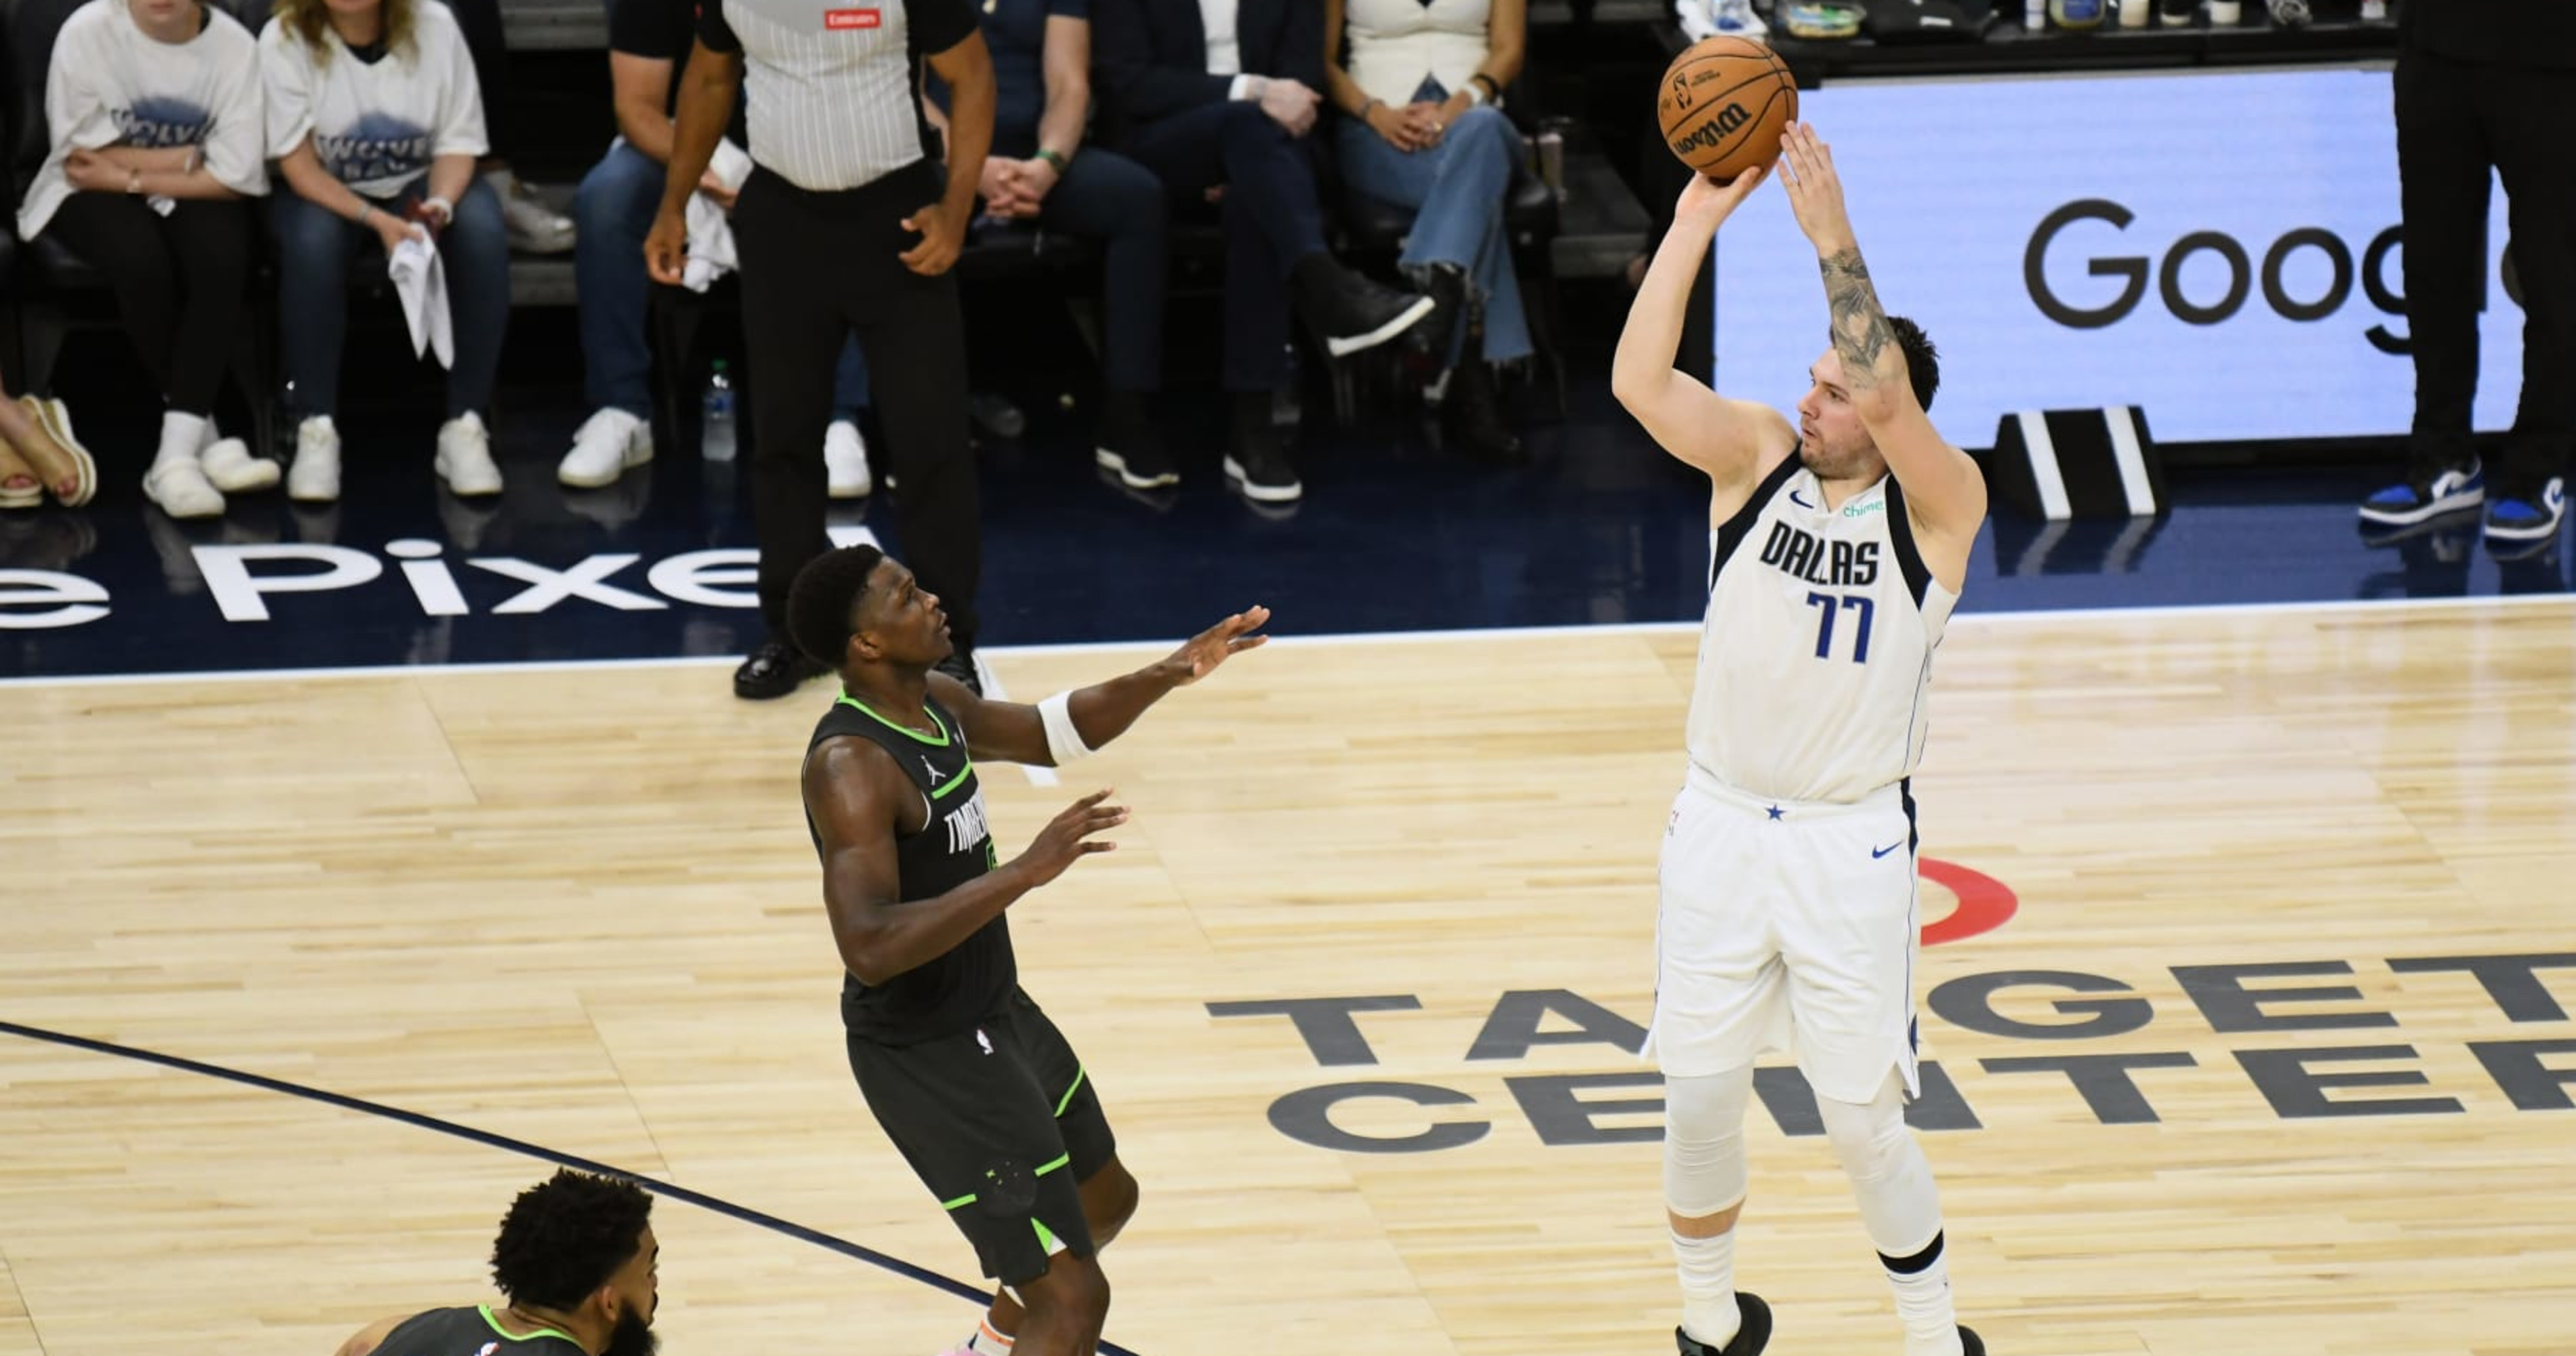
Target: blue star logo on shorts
x=1778 y=813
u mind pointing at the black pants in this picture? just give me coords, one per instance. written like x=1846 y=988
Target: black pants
x=815 y=268
x=178 y=279
x=2456 y=120
x=1272 y=219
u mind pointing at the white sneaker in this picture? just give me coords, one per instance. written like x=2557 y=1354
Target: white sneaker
x=533 y=227
x=315 y=477
x=181 y=489
x=606 y=446
x=231 y=467
x=465 y=456
x=845 y=461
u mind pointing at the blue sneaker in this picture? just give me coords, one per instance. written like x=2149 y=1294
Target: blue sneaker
x=2532 y=519
x=2412 y=501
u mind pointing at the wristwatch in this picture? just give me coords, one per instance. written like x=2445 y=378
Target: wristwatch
x=1051 y=158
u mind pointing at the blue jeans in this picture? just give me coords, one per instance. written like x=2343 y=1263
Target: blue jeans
x=612 y=213
x=1107 y=197
x=1457 y=190
x=314 y=246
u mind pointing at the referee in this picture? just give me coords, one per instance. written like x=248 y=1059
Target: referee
x=844 y=225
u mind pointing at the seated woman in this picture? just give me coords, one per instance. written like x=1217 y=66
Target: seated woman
x=154 y=107
x=1420 y=86
x=376 y=124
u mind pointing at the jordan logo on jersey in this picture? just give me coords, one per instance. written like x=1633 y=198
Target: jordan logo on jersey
x=1848 y=564
x=966 y=825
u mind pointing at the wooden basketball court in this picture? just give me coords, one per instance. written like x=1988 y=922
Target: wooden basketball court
x=577 y=908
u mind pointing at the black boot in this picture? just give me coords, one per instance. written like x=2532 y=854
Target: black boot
x=1426 y=345
x=1471 y=411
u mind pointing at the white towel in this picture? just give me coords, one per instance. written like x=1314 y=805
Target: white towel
x=711 y=252
x=420 y=278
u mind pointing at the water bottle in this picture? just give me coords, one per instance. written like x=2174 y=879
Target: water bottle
x=716 y=421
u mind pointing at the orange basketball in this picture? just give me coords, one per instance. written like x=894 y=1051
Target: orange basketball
x=1724 y=104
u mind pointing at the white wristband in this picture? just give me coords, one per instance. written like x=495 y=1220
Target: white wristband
x=1475 y=92
x=1064 y=742
x=446 y=210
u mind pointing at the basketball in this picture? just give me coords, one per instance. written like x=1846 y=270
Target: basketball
x=1724 y=104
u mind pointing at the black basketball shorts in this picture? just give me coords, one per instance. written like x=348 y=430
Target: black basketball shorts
x=1001 y=1123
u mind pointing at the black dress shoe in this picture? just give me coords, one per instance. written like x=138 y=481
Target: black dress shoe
x=771 y=672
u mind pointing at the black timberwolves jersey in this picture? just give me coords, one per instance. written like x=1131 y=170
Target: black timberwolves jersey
x=949 y=993
x=470 y=1332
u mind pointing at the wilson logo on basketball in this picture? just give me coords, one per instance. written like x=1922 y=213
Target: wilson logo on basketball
x=838 y=19
x=1722 y=124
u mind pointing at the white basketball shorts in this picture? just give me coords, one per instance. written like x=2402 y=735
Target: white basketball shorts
x=1786 y=925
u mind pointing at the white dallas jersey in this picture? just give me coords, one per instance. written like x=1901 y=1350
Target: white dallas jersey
x=1817 y=647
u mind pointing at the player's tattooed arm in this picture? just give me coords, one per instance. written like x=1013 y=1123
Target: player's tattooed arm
x=1862 y=337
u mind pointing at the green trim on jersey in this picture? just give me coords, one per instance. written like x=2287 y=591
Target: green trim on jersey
x=507 y=1336
x=1079 y=1072
x=943 y=741
x=954 y=782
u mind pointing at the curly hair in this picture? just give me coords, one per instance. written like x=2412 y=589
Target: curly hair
x=565 y=1236
x=311 y=21
x=825 y=598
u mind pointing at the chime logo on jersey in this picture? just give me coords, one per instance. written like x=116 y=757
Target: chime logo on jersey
x=1845 y=563
x=837 y=20
x=966 y=826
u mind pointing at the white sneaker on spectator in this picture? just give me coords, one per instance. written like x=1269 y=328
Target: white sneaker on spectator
x=465 y=456
x=180 y=487
x=232 y=468
x=315 y=476
x=533 y=227
x=606 y=446
x=845 y=461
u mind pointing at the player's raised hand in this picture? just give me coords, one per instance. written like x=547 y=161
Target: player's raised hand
x=1199 y=656
x=1067 y=838
x=1705 y=203
x=1815 y=190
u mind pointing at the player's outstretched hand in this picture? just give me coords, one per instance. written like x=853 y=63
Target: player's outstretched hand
x=1815 y=190
x=1199 y=656
x=1067 y=838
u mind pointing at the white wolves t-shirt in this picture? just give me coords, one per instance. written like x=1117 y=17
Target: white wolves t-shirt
x=111 y=85
x=375 y=126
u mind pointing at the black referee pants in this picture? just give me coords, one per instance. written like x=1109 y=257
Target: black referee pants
x=815 y=268
x=2456 y=121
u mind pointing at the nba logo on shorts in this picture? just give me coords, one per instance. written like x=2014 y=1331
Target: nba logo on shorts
x=983 y=1040
x=835 y=20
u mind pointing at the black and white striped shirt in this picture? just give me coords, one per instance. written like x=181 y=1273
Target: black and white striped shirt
x=830 y=82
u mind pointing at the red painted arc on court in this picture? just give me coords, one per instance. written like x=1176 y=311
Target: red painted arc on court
x=1984 y=902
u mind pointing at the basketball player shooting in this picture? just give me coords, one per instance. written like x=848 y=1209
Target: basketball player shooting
x=1787 y=916
x=974 y=1085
